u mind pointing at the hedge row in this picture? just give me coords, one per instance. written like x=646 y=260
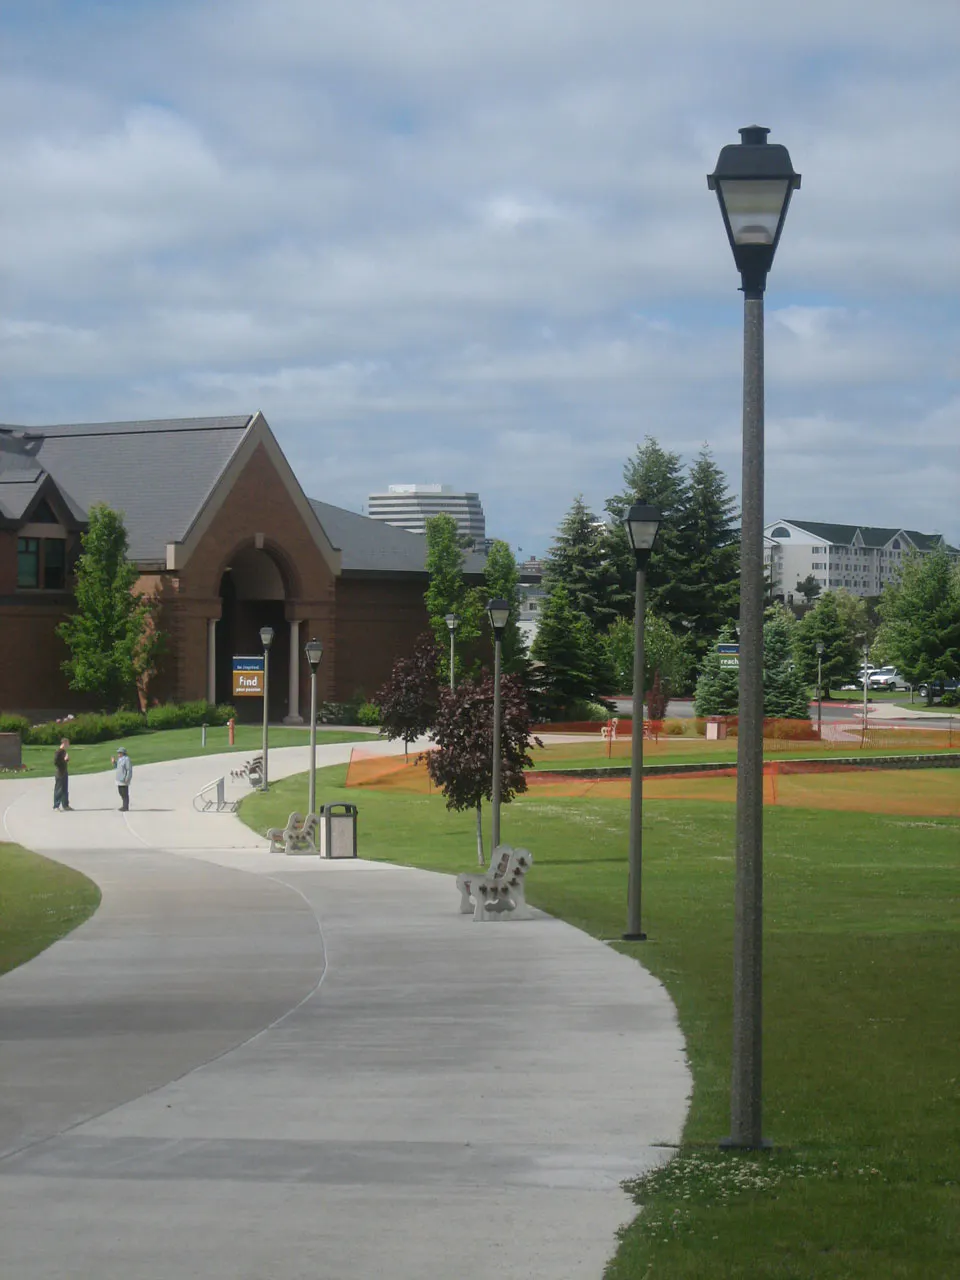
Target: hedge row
x=91 y=726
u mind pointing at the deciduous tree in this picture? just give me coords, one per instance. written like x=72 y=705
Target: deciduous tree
x=447 y=590
x=462 y=763
x=112 y=637
x=834 y=625
x=920 y=619
x=502 y=582
x=408 y=701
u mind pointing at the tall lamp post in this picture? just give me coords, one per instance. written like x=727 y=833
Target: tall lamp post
x=453 y=621
x=754 y=182
x=819 y=688
x=498 y=612
x=641 y=524
x=266 y=639
x=314 y=651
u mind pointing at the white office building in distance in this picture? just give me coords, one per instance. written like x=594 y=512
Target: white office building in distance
x=410 y=506
x=858 y=558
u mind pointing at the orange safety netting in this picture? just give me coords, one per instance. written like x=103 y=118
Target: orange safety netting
x=812 y=784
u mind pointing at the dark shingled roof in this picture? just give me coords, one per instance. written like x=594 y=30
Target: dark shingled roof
x=159 y=474
x=872 y=537
x=370 y=546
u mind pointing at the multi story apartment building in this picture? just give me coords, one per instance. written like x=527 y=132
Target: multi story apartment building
x=859 y=558
x=410 y=506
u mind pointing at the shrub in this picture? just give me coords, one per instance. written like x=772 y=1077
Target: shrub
x=368 y=713
x=338 y=713
x=950 y=699
x=14 y=724
x=673 y=728
x=188 y=715
x=580 y=709
x=789 y=730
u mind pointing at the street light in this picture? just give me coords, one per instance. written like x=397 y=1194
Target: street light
x=641 y=524
x=453 y=621
x=819 y=688
x=266 y=639
x=498 y=611
x=754 y=182
x=314 y=651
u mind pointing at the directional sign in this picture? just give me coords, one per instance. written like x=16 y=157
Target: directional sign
x=248 y=677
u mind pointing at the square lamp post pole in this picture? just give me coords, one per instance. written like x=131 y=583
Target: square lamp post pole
x=266 y=639
x=453 y=621
x=641 y=524
x=754 y=182
x=314 y=651
x=498 y=611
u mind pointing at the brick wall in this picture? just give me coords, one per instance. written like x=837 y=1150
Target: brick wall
x=378 y=621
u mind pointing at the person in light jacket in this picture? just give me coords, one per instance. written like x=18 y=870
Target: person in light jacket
x=124 y=774
x=61 y=787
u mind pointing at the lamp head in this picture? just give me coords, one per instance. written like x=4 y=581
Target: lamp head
x=266 y=636
x=754 y=182
x=820 y=647
x=314 y=651
x=498 y=611
x=452 y=620
x=642 y=524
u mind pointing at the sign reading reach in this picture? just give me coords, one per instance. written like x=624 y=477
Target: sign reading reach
x=729 y=655
x=248 y=677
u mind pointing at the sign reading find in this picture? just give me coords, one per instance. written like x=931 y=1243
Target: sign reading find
x=248 y=677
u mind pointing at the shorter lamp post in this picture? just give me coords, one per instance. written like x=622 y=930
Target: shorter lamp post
x=453 y=621
x=266 y=639
x=641 y=524
x=498 y=612
x=866 y=686
x=819 y=688
x=314 y=651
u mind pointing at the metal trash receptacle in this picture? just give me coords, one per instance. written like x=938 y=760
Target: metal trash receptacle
x=338 y=830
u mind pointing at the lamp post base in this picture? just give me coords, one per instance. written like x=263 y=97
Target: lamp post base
x=633 y=937
x=731 y=1144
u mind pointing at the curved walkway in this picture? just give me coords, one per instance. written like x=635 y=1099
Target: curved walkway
x=246 y=1065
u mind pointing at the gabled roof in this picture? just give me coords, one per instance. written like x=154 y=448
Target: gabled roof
x=372 y=547
x=872 y=537
x=158 y=473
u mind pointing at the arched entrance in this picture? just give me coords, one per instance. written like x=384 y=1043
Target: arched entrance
x=253 y=594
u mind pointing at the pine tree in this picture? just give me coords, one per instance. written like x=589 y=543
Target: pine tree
x=112 y=638
x=785 y=694
x=565 y=671
x=501 y=580
x=655 y=477
x=708 y=542
x=578 y=562
x=718 y=688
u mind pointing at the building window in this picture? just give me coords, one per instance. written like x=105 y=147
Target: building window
x=41 y=562
x=780 y=532
x=895 y=544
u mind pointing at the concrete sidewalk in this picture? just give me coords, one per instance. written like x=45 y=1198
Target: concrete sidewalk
x=247 y=1065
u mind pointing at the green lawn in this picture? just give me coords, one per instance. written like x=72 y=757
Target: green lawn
x=579 y=755
x=862 y=1017
x=174 y=744
x=40 y=901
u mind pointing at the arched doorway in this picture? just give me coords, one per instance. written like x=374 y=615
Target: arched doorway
x=253 y=595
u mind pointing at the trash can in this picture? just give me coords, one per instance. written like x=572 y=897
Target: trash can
x=338 y=830
x=716 y=728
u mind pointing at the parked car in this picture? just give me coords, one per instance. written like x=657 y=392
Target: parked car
x=886 y=678
x=940 y=687
x=870 y=668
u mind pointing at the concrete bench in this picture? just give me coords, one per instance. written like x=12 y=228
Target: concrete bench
x=499 y=892
x=300 y=835
x=252 y=771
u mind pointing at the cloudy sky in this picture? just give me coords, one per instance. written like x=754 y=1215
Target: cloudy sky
x=472 y=243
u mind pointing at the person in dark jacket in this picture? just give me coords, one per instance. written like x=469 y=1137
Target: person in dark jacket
x=61 y=785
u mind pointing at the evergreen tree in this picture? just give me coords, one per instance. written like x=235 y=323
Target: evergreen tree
x=447 y=591
x=718 y=688
x=655 y=477
x=707 y=590
x=833 y=624
x=578 y=561
x=809 y=588
x=785 y=694
x=565 y=672
x=502 y=582
x=112 y=638
x=920 y=619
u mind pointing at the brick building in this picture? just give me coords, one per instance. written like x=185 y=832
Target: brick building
x=225 y=539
